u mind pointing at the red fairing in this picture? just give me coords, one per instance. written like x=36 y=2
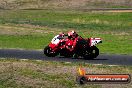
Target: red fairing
x=52 y=46
x=69 y=42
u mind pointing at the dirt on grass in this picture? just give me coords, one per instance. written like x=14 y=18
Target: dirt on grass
x=53 y=74
x=26 y=29
x=64 y=4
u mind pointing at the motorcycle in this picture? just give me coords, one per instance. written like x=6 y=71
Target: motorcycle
x=85 y=48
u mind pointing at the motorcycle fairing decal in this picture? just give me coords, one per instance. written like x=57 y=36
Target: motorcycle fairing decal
x=94 y=41
x=55 y=40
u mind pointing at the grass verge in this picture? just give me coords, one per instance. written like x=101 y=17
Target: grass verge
x=50 y=74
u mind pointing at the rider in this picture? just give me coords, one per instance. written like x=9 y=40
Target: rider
x=72 y=37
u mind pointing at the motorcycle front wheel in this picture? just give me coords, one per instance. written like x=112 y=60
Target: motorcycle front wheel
x=48 y=52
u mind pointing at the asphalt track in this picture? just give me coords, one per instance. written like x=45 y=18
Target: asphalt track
x=38 y=55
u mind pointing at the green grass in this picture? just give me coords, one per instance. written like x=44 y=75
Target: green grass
x=80 y=20
x=26 y=41
x=119 y=6
x=34 y=29
x=50 y=74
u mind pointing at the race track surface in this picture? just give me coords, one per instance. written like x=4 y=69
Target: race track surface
x=38 y=55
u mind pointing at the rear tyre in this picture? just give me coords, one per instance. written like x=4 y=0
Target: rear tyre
x=48 y=52
x=91 y=52
x=95 y=52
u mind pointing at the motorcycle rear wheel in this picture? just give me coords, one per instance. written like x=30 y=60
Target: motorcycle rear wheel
x=91 y=52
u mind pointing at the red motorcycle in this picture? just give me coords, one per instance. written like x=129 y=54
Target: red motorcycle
x=63 y=46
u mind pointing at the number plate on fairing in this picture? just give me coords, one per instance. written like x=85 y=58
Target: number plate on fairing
x=94 y=41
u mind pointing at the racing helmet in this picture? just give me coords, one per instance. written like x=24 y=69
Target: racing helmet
x=62 y=34
x=72 y=34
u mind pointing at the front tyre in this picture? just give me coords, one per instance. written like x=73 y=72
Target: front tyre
x=48 y=52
